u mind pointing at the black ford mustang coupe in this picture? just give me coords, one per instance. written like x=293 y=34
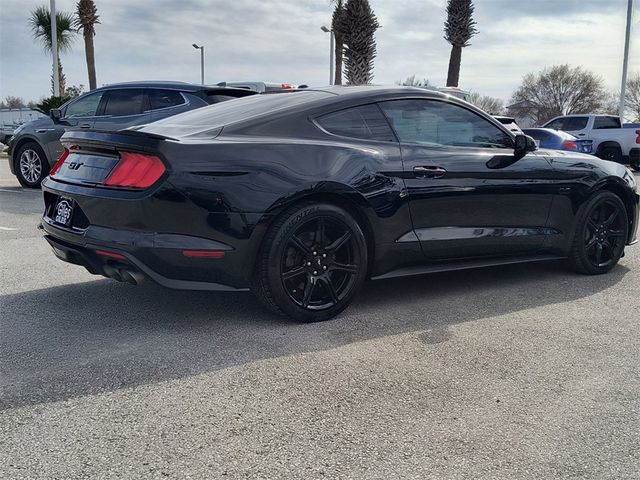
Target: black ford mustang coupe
x=303 y=196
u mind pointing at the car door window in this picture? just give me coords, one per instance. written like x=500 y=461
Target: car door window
x=366 y=122
x=575 y=123
x=164 y=98
x=124 y=102
x=439 y=123
x=85 y=106
x=555 y=124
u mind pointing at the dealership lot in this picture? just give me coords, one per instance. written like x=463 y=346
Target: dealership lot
x=512 y=372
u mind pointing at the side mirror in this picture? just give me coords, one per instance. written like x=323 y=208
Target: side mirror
x=55 y=114
x=524 y=145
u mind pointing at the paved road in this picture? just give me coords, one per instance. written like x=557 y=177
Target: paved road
x=512 y=372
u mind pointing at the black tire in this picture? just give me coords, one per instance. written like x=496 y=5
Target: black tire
x=31 y=165
x=312 y=263
x=613 y=154
x=600 y=235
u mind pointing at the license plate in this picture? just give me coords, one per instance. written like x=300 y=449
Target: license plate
x=64 y=212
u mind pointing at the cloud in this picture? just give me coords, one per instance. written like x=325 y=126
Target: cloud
x=277 y=40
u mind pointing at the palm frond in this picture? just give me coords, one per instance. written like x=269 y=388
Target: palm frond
x=40 y=23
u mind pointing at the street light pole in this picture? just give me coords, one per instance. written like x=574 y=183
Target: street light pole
x=201 y=48
x=54 y=49
x=331 y=52
x=625 y=61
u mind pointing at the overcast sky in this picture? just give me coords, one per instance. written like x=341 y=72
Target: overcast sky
x=277 y=40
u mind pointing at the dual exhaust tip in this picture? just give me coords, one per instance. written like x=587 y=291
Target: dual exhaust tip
x=123 y=275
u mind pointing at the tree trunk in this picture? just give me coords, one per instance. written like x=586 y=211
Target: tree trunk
x=339 y=49
x=453 y=77
x=91 y=59
x=61 y=78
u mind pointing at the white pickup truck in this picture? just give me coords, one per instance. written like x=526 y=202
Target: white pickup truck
x=610 y=140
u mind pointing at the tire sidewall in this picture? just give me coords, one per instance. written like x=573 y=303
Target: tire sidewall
x=580 y=231
x=44 y=165
x=296 y=218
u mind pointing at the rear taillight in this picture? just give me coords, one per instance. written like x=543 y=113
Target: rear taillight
x=59 y=163
x=135 y=170
x=569 y=145
x=638 y=137
x=286 y=86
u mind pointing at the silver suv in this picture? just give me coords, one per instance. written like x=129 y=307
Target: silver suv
x=35 y=146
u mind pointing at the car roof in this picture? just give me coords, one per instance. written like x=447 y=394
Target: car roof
x=356 y=91
x=173 y=85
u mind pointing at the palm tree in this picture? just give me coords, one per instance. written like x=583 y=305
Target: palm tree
x=337 y=21
x=458 y=28
x=40 y=22
x=87 y=18
x=359 y=27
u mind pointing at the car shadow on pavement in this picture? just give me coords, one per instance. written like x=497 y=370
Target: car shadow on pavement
x=81 y=339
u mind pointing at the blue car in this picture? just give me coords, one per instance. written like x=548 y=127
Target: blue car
x=559 y=140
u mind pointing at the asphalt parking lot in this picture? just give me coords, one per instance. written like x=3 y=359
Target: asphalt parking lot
x=511 y=372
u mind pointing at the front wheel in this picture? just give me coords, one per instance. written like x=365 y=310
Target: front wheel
x=31 y=165
x=313 y=262
x=600 y=235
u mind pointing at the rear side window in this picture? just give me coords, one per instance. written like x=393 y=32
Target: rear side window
x=606 y=122
x=537 y=134
x=164 y=99
x=124 y=102
x=366 y=122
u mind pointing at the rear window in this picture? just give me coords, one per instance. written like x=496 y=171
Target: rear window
x=606 y=122
x=540 y=135
x=227 y=113
x=365 y=122
x=164 y=98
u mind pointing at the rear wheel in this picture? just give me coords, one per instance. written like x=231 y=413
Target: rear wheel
x=31 y=165
x=313 y=262
x=601 y=234
x=613 y=154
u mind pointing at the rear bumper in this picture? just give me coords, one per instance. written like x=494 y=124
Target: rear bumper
x=153 y=256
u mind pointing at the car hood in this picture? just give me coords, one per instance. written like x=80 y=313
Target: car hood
x=39 y=123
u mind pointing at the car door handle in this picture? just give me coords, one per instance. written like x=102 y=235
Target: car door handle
x=429 y=172
x=581 y=134
x=85 y=125
x=45 y=130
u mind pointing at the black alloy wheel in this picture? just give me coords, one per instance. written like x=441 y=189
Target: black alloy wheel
x=612 y=154
x=601 y=234
x=313 y=263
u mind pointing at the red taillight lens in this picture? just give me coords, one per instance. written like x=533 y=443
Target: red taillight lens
x=203 y=253
x=135 y=170
x=59 y=163
x=638 y=137
x=286 y=86
x=570 y=145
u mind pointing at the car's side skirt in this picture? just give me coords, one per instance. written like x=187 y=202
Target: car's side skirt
x=465 y=264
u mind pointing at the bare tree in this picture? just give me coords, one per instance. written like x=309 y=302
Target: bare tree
x=458 y=30
x=492 y=105
x=337 y=25
x=413 y=81
x=359 y=27
x=12 y=102
x=559 y=90
x=632 y=97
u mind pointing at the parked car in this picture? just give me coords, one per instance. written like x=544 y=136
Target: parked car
x=508 y=122
x=260 y=87
x=559 y=140
x=35 y=146
x=301 y=197
x=610 y=140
